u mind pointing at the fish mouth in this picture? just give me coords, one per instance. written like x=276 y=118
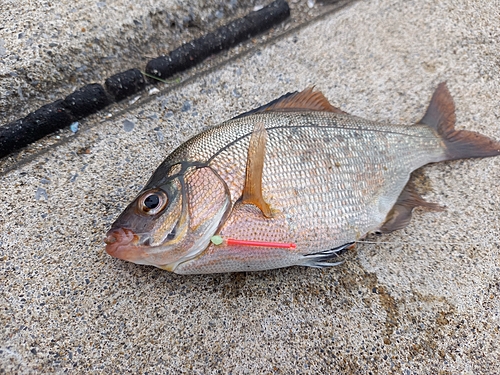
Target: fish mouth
x=122 y=243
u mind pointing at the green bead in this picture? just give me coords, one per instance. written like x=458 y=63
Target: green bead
x=216 y=240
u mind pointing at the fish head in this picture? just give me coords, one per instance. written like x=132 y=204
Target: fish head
x=172 y=220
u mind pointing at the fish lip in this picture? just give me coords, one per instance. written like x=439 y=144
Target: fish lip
x=125 y=244
x=122 y=243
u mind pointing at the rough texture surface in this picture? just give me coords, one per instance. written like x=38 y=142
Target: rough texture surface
x=225 y=37
x=422 y=300
x=49 y=49
x=91 y=98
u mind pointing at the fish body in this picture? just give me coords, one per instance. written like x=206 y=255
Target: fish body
x=296 y=171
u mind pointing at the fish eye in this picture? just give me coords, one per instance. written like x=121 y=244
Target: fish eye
x=153 y=202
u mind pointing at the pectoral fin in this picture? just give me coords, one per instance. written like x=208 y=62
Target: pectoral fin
x=400 y=214
x=252 y=191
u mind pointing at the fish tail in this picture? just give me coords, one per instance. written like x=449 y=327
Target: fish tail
x=458 y=144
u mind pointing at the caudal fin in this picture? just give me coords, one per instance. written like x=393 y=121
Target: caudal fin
x=459 y=144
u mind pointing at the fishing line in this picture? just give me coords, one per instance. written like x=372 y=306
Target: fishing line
x=218 y=240
x=426 y=243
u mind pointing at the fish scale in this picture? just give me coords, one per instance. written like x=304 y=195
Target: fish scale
x=362 y=177
x=290 y=183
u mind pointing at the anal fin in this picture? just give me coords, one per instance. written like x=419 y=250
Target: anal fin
x=252 y=191
x=324 y=258
x=400 y=214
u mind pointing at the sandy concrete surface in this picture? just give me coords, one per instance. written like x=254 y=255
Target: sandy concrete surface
x=50 y=48
x=423 y=300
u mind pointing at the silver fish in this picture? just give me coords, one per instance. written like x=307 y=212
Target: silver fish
x=290 y=183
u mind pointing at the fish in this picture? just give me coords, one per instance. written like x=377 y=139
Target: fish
x=291 y=183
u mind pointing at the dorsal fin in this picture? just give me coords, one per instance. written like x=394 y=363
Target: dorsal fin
x=400 y=214
x=252 y=191
x=306 y=100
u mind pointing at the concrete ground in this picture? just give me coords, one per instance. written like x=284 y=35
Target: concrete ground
x=49 y=49
x=422 y=300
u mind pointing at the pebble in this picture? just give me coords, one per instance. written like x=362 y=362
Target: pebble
x=128 y=125
x=153 y=91
x=41 y=193
x=186 y=106
x=74 y=127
